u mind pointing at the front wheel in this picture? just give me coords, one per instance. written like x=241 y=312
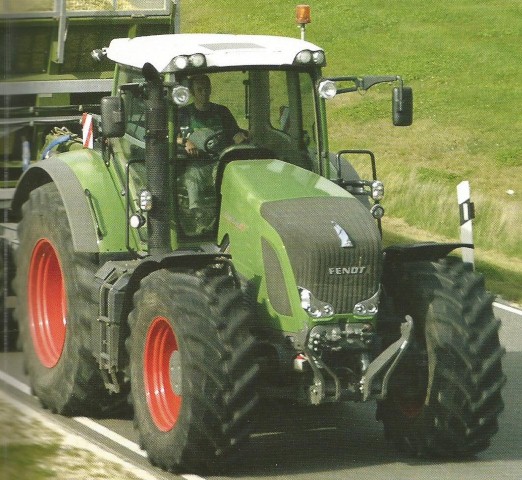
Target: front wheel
x=445 y=396
x=191 y=368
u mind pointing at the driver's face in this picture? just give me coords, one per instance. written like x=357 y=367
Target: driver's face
x=201 y=92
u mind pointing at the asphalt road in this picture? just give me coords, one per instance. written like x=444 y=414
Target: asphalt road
x=336 y=442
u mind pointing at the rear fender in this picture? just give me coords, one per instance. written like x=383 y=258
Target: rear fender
x=93 y=204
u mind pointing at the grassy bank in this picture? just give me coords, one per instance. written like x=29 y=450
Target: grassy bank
x=462 y=60
x=32 y=448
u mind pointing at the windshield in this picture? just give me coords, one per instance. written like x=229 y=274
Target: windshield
x=273 y=109
x=233 y=115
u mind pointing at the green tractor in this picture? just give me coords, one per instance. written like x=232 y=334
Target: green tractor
x=274 y=286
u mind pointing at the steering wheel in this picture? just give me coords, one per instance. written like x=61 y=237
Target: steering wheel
x=213 y=144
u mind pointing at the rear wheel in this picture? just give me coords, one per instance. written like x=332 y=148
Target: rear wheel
x=445 y=396
x=8 y=327
x=56 y=309
x=191 y=368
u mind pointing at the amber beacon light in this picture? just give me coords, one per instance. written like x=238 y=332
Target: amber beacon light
x=302 y=17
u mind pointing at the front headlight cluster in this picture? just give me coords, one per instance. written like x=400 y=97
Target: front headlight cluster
x=369 y=306
x=377 y=190
x=138 y=220
x=306 y=57
x=181 y=62
x=313 y=306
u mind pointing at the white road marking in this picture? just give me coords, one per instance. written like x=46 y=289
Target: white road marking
x=15 y=383
x=507 y=308
x=96 y=427
x=107 y=433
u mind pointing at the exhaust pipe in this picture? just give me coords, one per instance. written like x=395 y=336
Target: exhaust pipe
x=157 y=162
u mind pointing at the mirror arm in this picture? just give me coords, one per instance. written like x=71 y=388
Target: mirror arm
x=368 y=82
x=365 y=83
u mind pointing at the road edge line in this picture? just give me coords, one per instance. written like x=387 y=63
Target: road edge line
x=88 y=423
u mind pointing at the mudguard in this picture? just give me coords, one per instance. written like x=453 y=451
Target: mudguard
x=90 y=197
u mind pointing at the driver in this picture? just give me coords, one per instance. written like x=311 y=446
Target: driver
x=203 y=113
x=203 y=116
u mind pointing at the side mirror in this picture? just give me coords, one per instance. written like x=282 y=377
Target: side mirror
x=112 y=117
x=402 y=101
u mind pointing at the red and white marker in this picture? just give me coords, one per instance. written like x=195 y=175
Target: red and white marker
x=87 y=131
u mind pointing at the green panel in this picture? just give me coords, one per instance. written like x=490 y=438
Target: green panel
x=82 y=40
x=256 y=182
x=30 y=44
x=106 y=195
x=27 y=48
x=268 y=180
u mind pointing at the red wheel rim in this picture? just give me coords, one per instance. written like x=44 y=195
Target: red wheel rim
x=411 y=408
x=161 y=348
x=47 y=303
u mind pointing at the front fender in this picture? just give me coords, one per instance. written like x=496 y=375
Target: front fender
x=428 y=251
x=92 y=200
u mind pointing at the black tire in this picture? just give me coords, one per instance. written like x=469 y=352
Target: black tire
x=8 y=328
x=445 y=396
x=54 y=283
x=194 y=325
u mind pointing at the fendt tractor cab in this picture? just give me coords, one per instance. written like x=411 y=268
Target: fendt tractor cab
x=204 y=265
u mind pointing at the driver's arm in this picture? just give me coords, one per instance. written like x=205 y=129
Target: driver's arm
x=190 y=148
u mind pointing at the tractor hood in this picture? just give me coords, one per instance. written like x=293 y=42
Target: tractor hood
x=290 y=229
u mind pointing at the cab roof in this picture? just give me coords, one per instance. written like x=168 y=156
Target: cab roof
x=220 y=50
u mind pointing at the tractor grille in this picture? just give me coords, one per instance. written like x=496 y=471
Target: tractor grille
x=340 y=276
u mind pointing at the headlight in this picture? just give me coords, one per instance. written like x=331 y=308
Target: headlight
x=369 y=306
x=307 y=56
x=319 y=58
x=181 y=62
x=197 y=60
x=137 y=221
x=313 y=306
x=327 y=89
x=304 y=56
x=180 y=95
x=145 y=201
x=377 y=190
x=377 y=211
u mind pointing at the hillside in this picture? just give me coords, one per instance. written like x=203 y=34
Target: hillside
x=462 y=60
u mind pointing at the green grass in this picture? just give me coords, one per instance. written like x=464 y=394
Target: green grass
x=462 y=60
x=27 y=462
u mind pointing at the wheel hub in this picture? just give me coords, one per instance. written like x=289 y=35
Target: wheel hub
x=175 y=372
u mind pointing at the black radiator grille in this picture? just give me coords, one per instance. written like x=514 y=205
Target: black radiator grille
x=340 y=276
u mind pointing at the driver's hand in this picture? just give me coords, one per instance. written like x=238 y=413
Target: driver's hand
x=239 y=137
x=191 y=148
